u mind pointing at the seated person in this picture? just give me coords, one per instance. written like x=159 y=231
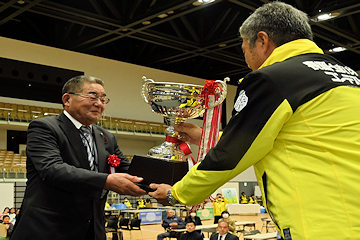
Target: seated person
x=191 y=234
x=127 y=202
x=252 y=200
x=226 y=218
x=243 y=198
x=5 y=212
x=194 y=218
x=12 y=215
x=147 y=200
x=223 y=233
x=8 y=225
x=171 y=222
x=140 y=203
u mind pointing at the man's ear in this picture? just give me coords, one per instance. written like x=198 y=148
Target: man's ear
x=66 y=99
x=267 y=45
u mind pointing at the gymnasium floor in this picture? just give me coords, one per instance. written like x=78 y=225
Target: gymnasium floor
x=150 y=232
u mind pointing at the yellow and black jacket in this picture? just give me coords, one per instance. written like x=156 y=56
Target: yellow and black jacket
x=219 y=206
x=297 y=120
x=243 y=199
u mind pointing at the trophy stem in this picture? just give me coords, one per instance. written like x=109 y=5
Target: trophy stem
x=169 y=150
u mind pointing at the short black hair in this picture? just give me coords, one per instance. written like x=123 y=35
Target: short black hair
x=225 y=212
x=190 y=221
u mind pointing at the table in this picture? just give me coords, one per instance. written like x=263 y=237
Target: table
x=243 y=208
x=245 y=223
x=267 y=220
x=262 y=236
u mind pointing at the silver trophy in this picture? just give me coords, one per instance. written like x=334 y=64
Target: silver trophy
x=176 y=102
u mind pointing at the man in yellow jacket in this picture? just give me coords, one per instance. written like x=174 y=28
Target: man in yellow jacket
x=296 y=118
x=219 y=206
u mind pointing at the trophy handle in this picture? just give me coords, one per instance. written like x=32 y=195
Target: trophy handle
x=224 y=90
x=144 y=91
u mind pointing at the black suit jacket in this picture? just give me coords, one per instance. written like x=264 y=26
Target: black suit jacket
x=63 y=195
x=229 y=236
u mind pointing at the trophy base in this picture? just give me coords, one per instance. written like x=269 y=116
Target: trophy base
x=167 y=151
x=155 y=170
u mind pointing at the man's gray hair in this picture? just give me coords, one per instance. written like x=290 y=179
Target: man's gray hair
x=171 y=210
x=282 y=22
x=76 y=84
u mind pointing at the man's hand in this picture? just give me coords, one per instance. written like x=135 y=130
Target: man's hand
x=123 y=184
x=189 y=132
x=160 y=193
x=174 y=224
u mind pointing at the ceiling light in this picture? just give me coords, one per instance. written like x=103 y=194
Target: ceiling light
x=199 y=2
x=222 y=45
x=146 y=22
x=324 y=16
x=337 y=49
x=20 y=2
x=164 y=15
x=170 y=12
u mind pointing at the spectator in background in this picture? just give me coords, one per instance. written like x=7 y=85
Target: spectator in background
x=252 y=200
x=192 y=217
x=12 y=215
x=226 y=218
x=140 y=203
x=5 y=212
x=191 y=234
x=219 y=206
x=223 y=233
x=171 y=222
x=8 y=225
x=127 y=202
x=243 y=198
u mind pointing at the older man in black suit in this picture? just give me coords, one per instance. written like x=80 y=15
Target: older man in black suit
x=223 y=233
x=68 y=169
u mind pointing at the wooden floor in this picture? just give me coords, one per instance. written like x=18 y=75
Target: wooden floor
x=150 y=232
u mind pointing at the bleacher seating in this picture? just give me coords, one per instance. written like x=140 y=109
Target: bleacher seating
x=12 y=165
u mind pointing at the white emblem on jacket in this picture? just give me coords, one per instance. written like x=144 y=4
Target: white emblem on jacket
x=241 y=101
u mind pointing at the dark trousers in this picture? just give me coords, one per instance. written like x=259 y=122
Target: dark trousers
x=161 y=236
x=216 y=219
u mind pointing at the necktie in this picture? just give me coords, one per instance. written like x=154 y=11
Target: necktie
x=89 y=144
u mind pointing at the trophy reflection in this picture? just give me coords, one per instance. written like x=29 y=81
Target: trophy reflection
x=177 y=102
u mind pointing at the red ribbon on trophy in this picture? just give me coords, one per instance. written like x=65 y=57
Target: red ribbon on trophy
x=182 y=145
x=211 y=126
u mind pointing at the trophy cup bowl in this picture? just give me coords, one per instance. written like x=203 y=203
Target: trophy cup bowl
x=176 y=102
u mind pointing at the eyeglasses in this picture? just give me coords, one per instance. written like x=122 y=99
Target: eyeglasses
x=93 y=97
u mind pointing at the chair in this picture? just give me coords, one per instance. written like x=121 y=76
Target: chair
x=135 y=225
x=266 y=224
x=112 y=227
x=124 y=223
